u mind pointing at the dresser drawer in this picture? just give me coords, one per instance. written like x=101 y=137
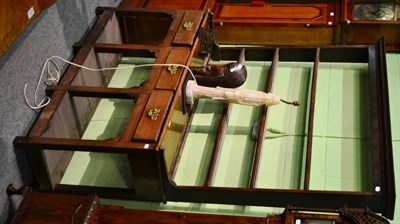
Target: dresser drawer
x=171 y=75
x=152 y=120
x=188 y=28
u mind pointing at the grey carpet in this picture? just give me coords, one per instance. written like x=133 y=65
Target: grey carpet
x=53 y=32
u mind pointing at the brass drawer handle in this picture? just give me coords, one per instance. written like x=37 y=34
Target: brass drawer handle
x=172 y=69
x=188 y=25
x=153 y=113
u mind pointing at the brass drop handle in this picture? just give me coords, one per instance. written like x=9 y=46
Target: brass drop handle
x=153 y=113
x=188 y=25
x=172 y=69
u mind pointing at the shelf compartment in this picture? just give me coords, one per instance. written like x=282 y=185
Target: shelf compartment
x=364 y=89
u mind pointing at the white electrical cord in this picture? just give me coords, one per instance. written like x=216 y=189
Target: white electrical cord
x=52 y=80
x=54 y=76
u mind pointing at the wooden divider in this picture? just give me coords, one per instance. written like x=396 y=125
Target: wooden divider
x=223 y=124
x=311 y=122
x=261 y=132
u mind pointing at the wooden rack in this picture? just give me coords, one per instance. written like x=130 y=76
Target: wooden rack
x=153 y=146
x=381 y=193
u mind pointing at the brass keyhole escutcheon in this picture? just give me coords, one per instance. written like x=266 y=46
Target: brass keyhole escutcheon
x=153 y=113
x=172 y=69
x=188 y=25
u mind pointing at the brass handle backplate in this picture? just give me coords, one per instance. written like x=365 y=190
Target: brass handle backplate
x=153 y=113
x=188 y=25
x=172 y=69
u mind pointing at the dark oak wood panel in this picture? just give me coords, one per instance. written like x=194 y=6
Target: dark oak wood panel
x=51 y=208
x=170 y=4
x=15 y=16
x=280 y=35
x=176 y=4
x=273 y=13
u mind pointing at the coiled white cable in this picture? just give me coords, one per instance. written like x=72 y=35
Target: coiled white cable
x=54 y=76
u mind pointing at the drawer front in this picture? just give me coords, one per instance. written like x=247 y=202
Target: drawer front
x=186 y=33
x=171 y=75
x=152 y=120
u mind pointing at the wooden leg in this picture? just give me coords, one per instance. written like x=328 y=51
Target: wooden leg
x=11 y=190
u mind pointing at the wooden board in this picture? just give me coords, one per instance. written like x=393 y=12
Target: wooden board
x=274 y=13
x=15 y=16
